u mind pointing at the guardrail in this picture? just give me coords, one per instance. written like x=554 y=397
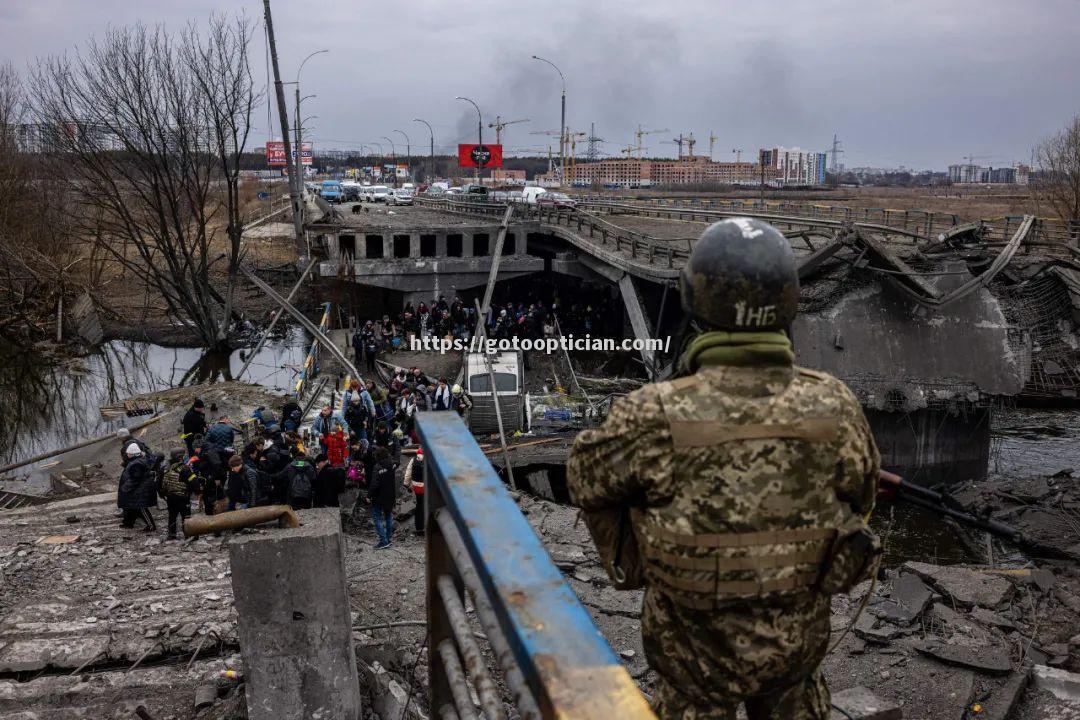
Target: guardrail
x=311 y=360
x=640 y=246
x=553 y=659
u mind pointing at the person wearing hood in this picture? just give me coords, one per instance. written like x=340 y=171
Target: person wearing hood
x=126 y=438
x=138 y=487
x=194 y=425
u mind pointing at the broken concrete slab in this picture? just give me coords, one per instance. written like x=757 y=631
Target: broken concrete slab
x=858 y=703
x=911 y=592
x=875 y=630
x=964 y=586
x=1000 y=704
x=992 y=619
x=892 y=612
x=1062 y=684
x=993 y=660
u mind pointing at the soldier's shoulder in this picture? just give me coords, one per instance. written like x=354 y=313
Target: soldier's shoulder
x=825 y=385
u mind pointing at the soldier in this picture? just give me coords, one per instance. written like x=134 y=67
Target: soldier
x=746 y=483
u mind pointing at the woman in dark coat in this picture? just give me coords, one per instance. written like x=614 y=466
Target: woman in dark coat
x=139 y=488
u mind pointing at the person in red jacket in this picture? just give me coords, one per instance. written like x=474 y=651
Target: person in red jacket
x=414 y=480
x=337 y=447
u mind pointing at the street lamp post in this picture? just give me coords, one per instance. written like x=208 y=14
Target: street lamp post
x=431 y=170
x=393 y=157
x=562 y=122
x=479 y=131
x=299 y=166
x=408 y=154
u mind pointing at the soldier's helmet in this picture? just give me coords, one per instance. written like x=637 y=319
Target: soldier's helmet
x=741 y=276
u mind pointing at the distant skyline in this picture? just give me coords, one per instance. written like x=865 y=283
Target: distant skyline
x=921 y=84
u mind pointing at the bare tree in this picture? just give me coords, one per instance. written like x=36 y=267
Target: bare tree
x=1059 y=184
x=151 y=128
x=34 y=248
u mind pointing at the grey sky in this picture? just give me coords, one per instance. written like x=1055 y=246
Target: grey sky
x=920 y=83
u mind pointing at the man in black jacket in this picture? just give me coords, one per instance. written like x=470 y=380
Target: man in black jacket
x=242 y=485
x=298 y=479
x=383 y=492
x=194 y=425
x=329 y=483
x=138 y=487
x=180 y=482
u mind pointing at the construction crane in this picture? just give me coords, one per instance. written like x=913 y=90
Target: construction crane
x=628 y=151
x=690 y=141
x=572 y=138
x=499 y=125
x=738 y=154
x=642 y=133
x=674 y=141
x=712 y=143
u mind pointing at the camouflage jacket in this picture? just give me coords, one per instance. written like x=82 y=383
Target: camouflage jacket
x=743 y=476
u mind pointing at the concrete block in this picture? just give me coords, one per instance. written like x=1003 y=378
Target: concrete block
x=858 y=703
x=1060 y=683
x=295 y=627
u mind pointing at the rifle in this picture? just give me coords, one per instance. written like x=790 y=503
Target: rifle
x=899 y=488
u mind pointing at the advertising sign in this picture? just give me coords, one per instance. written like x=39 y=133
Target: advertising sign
x=275 y=154
x=479 y=156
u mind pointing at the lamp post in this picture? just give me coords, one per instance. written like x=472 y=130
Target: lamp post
x=562 y=121
x=479 y=131
x=299 y=136
x=393 y=157
x=431 y=170
x=408 y=154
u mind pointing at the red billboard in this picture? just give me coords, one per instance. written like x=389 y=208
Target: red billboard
x=275 y=154
x=479 y=156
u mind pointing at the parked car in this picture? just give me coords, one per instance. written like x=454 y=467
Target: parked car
x=401 y=196
x=557 y=199
x=379 y=193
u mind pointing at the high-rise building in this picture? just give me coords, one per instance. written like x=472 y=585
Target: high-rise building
x=795 y=166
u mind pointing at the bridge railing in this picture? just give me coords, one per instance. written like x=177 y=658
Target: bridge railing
x=552 y=658
x=639 y=246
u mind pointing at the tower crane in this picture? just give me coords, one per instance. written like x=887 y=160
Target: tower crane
x=738 y=154
x=499 y=125
x=690 y=141
x=642 y=133
x=712 y=143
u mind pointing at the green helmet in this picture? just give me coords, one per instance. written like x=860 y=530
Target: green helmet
x=741 y=276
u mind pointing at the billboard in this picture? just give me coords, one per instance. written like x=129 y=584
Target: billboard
x=479 y=156
x=275 y=154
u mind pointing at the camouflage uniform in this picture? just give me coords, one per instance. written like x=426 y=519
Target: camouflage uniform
x=739 y=477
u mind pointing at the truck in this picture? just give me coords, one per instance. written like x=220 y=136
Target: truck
x=508 y=367
x=330 y=190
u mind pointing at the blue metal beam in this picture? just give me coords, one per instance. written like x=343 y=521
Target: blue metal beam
x=572 y=671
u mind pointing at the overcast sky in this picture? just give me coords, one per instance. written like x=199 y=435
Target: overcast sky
x=920 y=83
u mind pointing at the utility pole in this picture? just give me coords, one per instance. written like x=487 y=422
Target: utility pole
x=562 y=122
x=299 y=147
x=279 y=90
x=408 y=154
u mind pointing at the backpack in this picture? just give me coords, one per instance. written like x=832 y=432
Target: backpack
x=172 y=485
x=299 y=480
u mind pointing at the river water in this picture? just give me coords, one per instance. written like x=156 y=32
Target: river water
x=46 y=407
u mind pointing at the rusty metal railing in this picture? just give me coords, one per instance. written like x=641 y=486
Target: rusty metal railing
x=550 y=654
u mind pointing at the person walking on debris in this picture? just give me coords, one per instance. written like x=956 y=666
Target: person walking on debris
x=746 y=481
x=461 y=402
x=290 y=414
x=414 y=480
x=242 y=485
x=193 y=425
x=221 y=434
x=383 y=493
x=138 y=487
x=324 y=422
x=442 y=396
x=299 y=480
x=181 y=481
x=329 y=483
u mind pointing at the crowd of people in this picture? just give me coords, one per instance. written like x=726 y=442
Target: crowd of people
x=224 y=467
x=456 y=319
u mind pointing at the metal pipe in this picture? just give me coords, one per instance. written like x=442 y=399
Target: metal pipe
x=455 y=678
x=273 y=320
x=236 y=519
x=490 y=702
x=523 y=697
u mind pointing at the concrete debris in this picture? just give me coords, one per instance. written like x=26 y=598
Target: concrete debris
x=962 y=585
x=980 y=657
x=992 y=619
x=1060 y=683
x=874 y=630
x=911 y=593
x=1002 y=702
x=858 y=703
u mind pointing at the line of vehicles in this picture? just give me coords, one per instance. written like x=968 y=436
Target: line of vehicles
x=338 y=191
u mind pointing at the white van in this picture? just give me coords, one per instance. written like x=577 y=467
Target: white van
x=530 y=194
x=379 y=193
x=509 y=384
